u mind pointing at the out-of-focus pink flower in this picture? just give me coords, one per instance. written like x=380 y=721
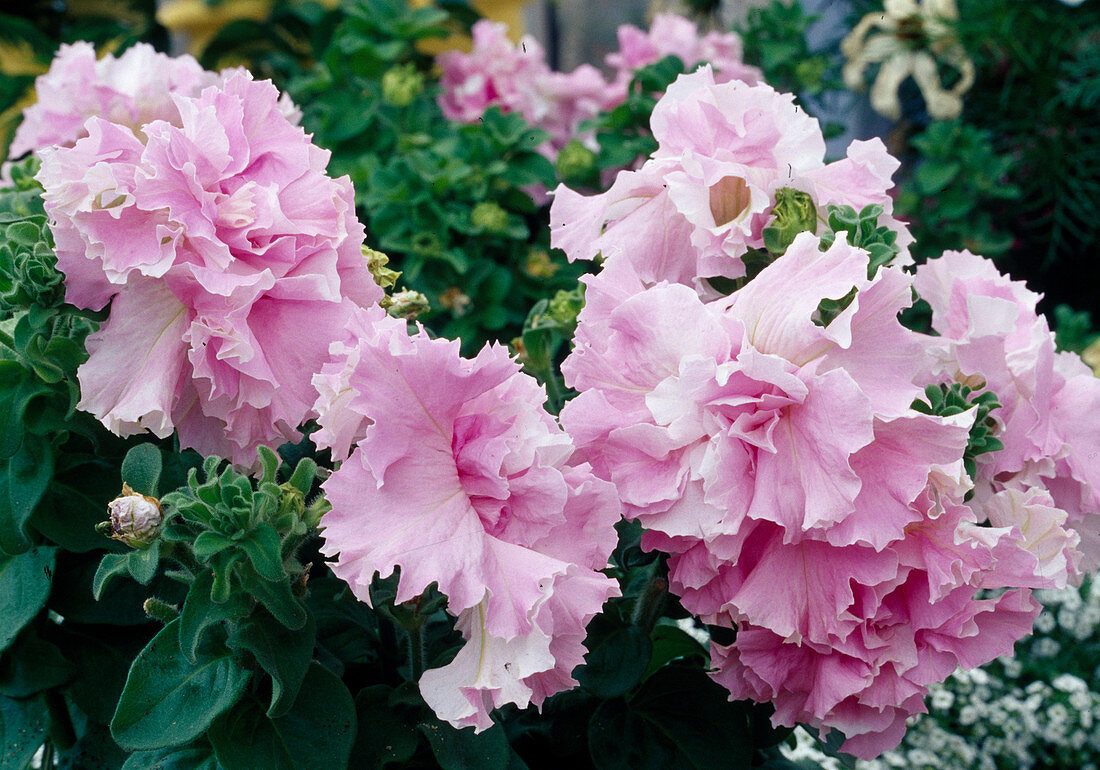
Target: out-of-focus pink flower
x=462 y=479
x=671 y=35
x=775 y=456
x=702 y=201
x=498 y=73
x=230 y=260
x=131 y=90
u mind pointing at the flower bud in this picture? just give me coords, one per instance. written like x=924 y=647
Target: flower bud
x=135 y=518
x=489 y=217
x=1091 y=356
x=540 y=265
x=407 y=304
x=402 y=84
x=794 y=212
x=575 y=160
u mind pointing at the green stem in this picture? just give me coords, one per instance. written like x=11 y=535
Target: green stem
x=62 y=732
x=647 y=608
x=417 y=652
x=555 y=393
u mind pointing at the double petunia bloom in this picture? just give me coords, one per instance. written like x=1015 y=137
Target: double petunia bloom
x=767 y=440
x=461 y=478
x=229 y=258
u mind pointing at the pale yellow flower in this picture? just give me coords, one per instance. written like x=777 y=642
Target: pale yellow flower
x=909 y=38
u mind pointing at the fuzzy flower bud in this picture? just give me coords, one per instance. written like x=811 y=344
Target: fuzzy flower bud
x=539 y=264
x=489 y=217
x=794 y=213
x=406 y=304
x=135 y=518
x=402 y=84
x=575 y=160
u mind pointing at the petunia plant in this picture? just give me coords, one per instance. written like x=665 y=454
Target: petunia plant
x=756 y=470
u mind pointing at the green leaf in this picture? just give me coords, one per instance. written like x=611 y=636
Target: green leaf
x=141 y=469
x=284 y=654
x=168 y=700
x=23 y=479
x=209 y=543
x=176 y=758
x=616 y=663
x=679 y=718
x=68 y=516
x=693 y=712
x=263 y=547
x=618 y=741
x=32 y=665
x=113 y=565
x=200 y=612
x=278 y=598
x=23 y=725
x=671 y=643
x=462 y=749
x=383 y=738
x=932 y=176
x=142 y=563
x=24 y=587
x=102 y=656
x=304 y=473
x=317 y=731
x=95 y=749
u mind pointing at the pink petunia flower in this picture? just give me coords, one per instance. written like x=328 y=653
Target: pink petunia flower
x=460 y=478
x=498 y=73
x=130 y=90
x=774 y=455
x=701 y=202
x=230 y=261
x=671 y=35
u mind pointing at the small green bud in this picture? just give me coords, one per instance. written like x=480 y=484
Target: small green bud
x=158 y=610
x=376 y=264
x=565 y=306
x=794 y=212
x=402 y=84
x=406 y=304
x=489 y=217
x=575 y=161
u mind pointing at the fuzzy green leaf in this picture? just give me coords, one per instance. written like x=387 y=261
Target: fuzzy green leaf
x=167 y=700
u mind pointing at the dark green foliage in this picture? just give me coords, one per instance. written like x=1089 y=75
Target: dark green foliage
x=774 y=37
x=447 y=202
x=623 y=133
x=864 y=232
x=945 y=401
x=1073 y=331
x=956 y=186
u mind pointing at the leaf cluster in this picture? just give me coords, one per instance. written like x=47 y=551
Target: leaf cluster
x=623 y=132
x=449 y=203
x=946 y=400
x=774 y=37
x=956 y=186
